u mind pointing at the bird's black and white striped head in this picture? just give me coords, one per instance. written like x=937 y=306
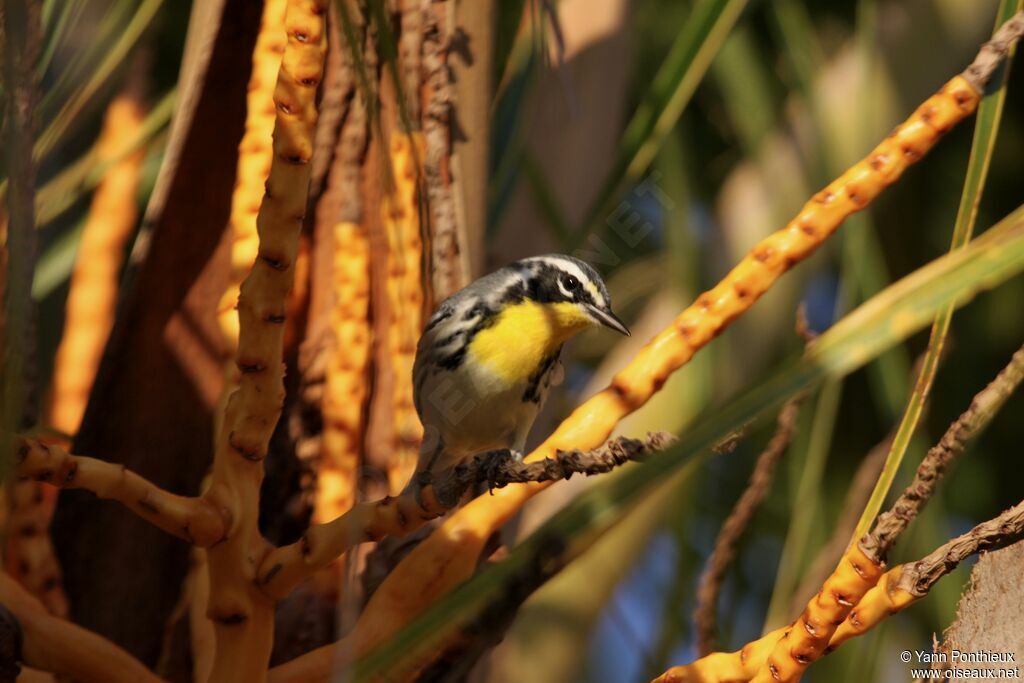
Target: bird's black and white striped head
x=574 y=292
x=557 y=278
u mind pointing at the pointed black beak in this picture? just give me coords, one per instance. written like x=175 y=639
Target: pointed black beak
x=608 y=319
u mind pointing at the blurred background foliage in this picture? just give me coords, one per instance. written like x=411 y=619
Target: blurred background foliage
x=661 y=139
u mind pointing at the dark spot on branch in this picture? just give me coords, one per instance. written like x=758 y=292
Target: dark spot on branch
x=293 y=159
x=271 y=573
x=244 y=452
x=248 y=368
x=762 y=253
x=232 y=619
x=278 y=263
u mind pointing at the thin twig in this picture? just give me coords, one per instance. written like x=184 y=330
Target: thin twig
x=983 y=408
x=722 y=556
x=285 y=567
x=499 y=468
x=994 y=52
x=918 y=578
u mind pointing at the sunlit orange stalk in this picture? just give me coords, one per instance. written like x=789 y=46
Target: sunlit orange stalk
x=90 y=307
x=344 y=398
x=885 y=598
x=92 y=296
x=806 y=640
x=725 y=666
x=400 y=218
x=449 y=555
x=243 y=617
x=255 y=152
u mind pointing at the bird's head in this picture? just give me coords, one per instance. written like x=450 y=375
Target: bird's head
x=571 y=289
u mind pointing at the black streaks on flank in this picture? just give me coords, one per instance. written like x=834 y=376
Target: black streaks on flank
x=539 y=378
x=464 y=337
x=439 y=317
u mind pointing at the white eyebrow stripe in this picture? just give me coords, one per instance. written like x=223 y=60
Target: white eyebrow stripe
x=573 y=268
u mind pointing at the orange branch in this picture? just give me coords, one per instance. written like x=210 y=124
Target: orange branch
x=243 y=617
x=255 y=152
x=194 y=519
x=58 y=646
x=344 y=400
x=725 y=666
x=400 y=220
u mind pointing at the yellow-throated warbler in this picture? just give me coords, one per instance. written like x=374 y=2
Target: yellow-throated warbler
x=489 y=354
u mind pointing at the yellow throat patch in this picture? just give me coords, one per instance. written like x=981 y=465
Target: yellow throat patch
x=523 y=336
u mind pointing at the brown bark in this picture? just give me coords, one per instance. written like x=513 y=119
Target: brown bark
x=990 y=616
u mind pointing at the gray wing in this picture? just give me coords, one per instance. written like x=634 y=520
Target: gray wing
x=446 y=337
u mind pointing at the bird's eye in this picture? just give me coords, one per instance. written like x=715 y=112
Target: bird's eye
x=570 y=282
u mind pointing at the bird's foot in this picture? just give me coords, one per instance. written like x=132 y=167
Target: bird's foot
x=499 y=464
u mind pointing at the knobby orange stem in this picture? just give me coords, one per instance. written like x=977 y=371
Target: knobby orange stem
x=806 y=640
x=243 y=616
x=725 y=666
x=345 y=386
x=255 y=152
x=194 y=519
x=885 y=598
x=336 y=358
x=906 y=584
x=400 y=219
x=449 y=555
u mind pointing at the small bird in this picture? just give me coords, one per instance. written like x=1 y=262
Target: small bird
x=489 y=355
